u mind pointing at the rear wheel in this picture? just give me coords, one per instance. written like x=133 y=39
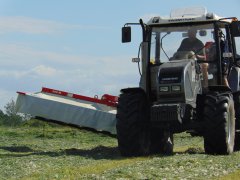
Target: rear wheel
x=132 y=127
x=219 y=117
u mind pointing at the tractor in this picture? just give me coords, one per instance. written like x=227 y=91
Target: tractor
x=194 y=90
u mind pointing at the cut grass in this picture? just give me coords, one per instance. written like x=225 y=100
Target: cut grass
x=69 y=153
x=232 y=176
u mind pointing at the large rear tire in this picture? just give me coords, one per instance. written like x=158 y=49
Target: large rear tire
x=132 y=126
x=219 y=118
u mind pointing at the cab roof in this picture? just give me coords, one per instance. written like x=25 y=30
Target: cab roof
x=186 y=15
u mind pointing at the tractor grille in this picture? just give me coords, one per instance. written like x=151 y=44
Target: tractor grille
x=164 y=113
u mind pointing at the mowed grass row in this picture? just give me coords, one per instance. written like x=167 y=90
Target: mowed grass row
x=69 y=153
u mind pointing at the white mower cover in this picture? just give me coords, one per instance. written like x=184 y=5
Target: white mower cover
x=72 y=109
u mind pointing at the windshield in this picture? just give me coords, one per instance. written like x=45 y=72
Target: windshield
x=183 y=42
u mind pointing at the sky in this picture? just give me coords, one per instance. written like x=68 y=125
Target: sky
x=75 y=45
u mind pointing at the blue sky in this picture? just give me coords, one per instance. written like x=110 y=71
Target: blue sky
x=75 y=45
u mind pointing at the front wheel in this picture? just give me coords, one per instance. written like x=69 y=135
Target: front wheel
x=219 y=118
x=132 y=127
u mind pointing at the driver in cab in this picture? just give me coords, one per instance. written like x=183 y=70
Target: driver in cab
x=192 y=43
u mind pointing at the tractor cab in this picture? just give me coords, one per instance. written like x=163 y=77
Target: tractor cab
x=192 y=33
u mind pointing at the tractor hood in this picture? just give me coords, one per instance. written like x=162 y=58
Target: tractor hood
x=178 y=82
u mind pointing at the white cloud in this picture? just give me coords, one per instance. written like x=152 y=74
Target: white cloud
x=43 y=70
x=36 y=26
x=38 y=71
x=28 y=25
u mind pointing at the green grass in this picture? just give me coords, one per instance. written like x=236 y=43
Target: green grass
x=68 y=153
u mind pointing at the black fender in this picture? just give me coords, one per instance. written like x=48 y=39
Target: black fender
x=132 y=90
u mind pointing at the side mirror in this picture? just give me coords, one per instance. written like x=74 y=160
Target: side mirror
x=235 y=28
x=126 y=34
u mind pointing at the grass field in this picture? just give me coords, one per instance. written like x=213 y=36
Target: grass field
x=69 y=153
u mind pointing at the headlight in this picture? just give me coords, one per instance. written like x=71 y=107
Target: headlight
x=163 y=88
x=176 y=88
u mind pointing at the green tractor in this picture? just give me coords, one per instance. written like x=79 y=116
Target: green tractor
x=186 y=84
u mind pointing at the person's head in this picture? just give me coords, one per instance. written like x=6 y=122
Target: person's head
x=192 y=33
